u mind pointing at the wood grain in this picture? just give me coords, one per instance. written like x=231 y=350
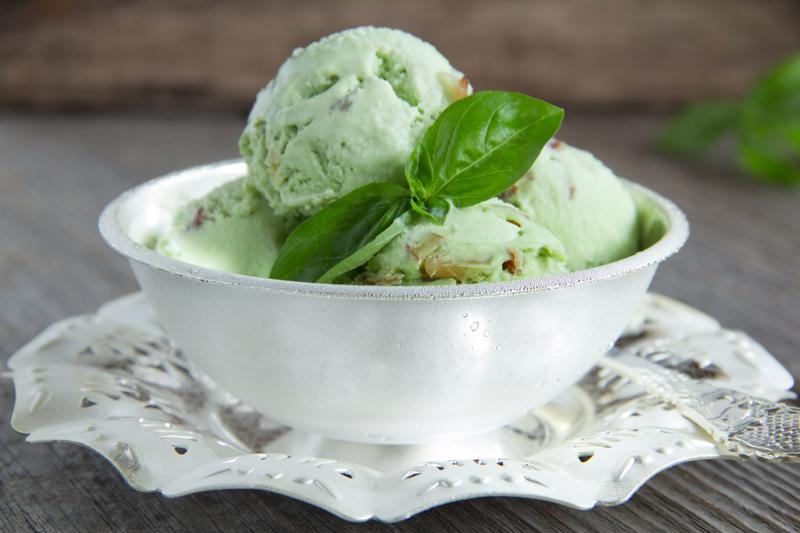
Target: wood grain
x=201 y=53
x=56 y=173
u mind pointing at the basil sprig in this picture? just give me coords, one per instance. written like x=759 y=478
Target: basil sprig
x=476 y=149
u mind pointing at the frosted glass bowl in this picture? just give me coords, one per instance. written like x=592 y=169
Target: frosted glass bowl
x=382 y=364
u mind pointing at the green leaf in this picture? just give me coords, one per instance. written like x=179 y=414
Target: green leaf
x=698 y=127
x=769 y=138
x=365 y=253
x=335 y=233
x=478 y=147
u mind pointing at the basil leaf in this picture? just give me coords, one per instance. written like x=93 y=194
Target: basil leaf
x=479 y=146
x=365 y=253
x=769 y=138
x=698 y=127
x=338 y=231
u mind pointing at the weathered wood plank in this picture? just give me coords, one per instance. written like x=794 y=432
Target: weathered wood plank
x=87 y=53
x=56 y=173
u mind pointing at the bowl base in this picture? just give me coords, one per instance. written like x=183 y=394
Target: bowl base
x=567 y=415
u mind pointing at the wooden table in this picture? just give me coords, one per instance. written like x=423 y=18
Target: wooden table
x=56 y=173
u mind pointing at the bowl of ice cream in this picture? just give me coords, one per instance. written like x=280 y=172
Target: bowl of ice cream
x=450 y=326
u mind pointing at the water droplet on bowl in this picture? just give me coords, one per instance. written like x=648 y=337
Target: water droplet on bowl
x=475 y=326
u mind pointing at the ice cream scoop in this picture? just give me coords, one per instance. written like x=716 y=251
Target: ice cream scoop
x=490 y=241
x=343 y=112
x=231 y=229
x=582 y=202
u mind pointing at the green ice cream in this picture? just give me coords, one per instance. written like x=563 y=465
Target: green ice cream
x=582 y=202
x=347 y=111
x=343 y=112
x=231 y=229
x=490 y=241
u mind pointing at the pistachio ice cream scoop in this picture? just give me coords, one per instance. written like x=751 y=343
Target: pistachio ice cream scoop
x=582 y=202
x=490 y=241
x=231 y=229
x=344 y=112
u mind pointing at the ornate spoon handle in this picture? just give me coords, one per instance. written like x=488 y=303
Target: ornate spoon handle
x=744 y=425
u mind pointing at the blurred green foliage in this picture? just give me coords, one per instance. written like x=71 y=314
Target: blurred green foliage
x=765 y=124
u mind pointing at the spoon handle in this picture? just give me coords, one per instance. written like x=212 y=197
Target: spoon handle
x=742 y=424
